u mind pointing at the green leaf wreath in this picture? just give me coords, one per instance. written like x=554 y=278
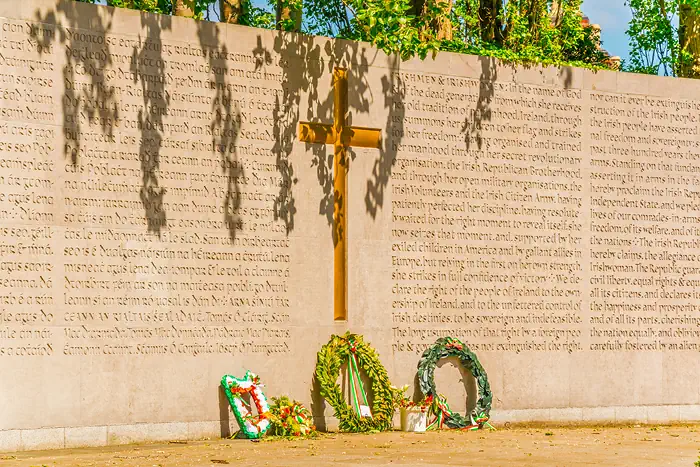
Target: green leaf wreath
x=329 y=360
x=448 y=347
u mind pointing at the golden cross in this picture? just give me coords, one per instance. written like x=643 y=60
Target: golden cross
x=341 y=137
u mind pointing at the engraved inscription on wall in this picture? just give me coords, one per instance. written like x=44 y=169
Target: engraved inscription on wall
x=644 y=245
x=531 y=218
x=139 y=179
x=137 y=185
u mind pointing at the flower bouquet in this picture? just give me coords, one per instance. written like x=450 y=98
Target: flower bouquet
x=414 y=415
x=289 y=418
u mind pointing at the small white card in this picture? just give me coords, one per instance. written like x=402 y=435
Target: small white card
x=365 y=411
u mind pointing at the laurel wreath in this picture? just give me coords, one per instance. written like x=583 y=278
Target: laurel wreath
x=449 y=347
x=329 y=360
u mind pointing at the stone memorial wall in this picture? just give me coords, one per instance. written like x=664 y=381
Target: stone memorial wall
x=556 y=225
x=162 y=226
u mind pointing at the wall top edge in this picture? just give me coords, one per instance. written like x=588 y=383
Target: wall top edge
x=40 y=11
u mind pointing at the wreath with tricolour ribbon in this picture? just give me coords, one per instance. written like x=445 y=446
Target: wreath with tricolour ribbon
x=351 y=349
x=252 y=427
x=449 y=347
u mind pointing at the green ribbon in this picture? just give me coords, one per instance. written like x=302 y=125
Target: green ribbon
x=355 y=376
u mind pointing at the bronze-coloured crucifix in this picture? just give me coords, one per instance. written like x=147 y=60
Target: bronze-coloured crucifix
x=341 y=137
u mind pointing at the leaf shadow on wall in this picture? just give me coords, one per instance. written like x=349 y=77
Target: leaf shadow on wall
x=153 y=81
x=225 y=125
x=472 y=127
x=306 y=65
x=82 y=30
x=394 y=93
x=90 y=97
x=85 y=100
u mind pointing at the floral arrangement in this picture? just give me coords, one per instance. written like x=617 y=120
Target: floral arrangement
x=404 y=402
x=290 y=418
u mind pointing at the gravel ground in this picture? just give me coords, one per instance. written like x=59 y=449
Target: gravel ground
x=629 y=446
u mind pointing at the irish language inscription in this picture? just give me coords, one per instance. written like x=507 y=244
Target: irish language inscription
x=137 y=190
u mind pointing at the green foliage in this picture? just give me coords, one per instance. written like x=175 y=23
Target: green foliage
x=152 y=6
x=656 y=39
x=530 y=36
x=157 y=6
x=390 y=26
x=579 y=44
x=524 y=32
x=512 y=30
x=329 y=360
x=164 y=7
x=289 y=23
x=653 y=37
x=327 y=18
x=257 y=17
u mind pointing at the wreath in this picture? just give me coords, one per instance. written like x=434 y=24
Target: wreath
x=352 y=349
x=251 y=427
x=449 y=347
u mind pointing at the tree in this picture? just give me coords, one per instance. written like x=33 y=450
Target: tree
x=435 y=16
x=657 y=45
x=653 y=37
x=490 y=21
x=232 y=11
x=288 y=14
x=183 y=8
x=689 y=40
x=556 y=12
x=546 y=31
x=153 y=6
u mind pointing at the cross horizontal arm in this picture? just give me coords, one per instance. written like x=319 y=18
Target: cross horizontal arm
x=359 y=137
x=319 y=133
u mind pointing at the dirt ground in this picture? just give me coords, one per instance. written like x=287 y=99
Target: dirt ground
x=631 y=446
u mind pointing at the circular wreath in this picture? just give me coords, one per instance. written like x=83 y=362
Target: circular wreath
x=329 y=360
x=449 y=347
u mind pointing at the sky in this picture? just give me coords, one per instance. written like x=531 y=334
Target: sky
x=612 y=16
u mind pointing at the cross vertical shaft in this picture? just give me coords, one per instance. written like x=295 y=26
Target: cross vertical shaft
x=340 y=88
x=340 y=135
